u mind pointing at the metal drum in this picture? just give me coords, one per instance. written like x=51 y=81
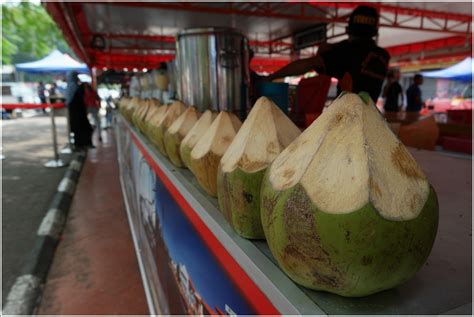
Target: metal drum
x=213 y=69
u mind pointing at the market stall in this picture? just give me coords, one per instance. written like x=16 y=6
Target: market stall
x=223 y=270
x=192 y=261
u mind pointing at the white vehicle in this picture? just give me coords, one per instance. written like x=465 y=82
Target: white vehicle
x=14 y=91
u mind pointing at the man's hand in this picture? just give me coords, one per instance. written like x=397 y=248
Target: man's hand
x=346 y=82
x=298 y=67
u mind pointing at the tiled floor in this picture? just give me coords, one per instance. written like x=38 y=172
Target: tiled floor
x=95 y=270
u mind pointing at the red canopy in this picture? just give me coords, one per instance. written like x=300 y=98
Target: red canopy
x=142 y=34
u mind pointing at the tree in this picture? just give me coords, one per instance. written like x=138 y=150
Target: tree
x=28 y=33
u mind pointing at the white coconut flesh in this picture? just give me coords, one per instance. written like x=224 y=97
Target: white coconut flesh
x=263 y=135
x=199 y=128
x=218 y=137
x=123 y=102
x=173 y=111
x=130 y=104
x=154 y=118
x=154 y=105
x=151 y=112
x=143 y=110
x=185 y=122
x=349 y=157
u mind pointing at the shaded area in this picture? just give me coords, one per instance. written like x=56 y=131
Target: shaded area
x=28 y=187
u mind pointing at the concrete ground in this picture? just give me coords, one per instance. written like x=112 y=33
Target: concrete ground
x=95 y=268
x=27 y=186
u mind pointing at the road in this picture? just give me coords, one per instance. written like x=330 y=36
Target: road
x=27 y=186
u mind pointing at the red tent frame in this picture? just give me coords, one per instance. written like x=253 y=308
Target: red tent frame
x=71 y=19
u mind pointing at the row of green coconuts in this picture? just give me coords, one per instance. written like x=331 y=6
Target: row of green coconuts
x=343 y=205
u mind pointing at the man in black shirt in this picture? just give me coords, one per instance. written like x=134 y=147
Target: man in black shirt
x=41 y=88
x=392 y=92
x=358 y=63
x=414 y=100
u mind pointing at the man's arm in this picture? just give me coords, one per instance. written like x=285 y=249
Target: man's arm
x=401 y=98
x=418 y=98
x=385 y=90
x=298 y=67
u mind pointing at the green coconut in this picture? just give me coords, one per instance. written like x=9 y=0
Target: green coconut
x=140 y=114
x=345 y=208
x=123 y=104
x=208 y=151
x=129 y=108
x=140 y=110
x=194 y=135
x=263 y=135
x=158 y=128
x=152 y=120
x=154 y=105
x=176 y=133
x=132 y=107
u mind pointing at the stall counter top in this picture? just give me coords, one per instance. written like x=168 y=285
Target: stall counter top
x=443 y=285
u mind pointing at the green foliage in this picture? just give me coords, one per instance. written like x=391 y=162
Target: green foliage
x=28 y=33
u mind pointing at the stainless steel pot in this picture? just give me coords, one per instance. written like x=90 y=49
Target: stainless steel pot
x=213 y=68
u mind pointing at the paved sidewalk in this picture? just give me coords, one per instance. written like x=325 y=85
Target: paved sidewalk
x=95 y=270
x=27 y=187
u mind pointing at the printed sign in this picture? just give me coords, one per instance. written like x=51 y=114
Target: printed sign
x=184 y=274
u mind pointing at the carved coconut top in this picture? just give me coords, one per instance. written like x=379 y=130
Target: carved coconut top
x=173 y=111
x=185 y=122
x=265 y=132
x=157 y=115
x=349 y=157
x=218 y=137
x=133 y=102
x=199 y=128
x=154 y=107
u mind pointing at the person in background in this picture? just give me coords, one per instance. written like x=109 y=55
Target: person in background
x=393 y=92
x=60 y=87
x=358 y=63
x=42 y=95
x=72 y=86
x=124 y=91
x=92 y=101
x=79 y=123
x=414 y=99
x=109 y=112
x=41 y=92
x=52 y=92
